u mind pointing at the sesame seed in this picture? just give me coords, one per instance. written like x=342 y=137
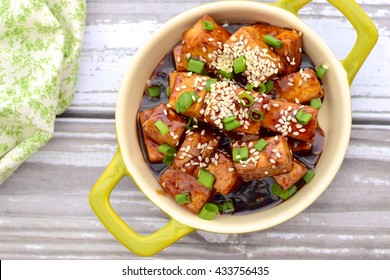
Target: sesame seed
x=165 y=112
x=169 y=105
x=230 y=169
x=211 y=39
x=178 y=59
x=266 y=172
x=295 y=133
x=272 y=160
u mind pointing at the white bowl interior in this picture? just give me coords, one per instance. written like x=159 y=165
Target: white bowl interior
x=334 y=117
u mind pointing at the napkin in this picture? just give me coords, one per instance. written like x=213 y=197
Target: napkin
x=40 y=44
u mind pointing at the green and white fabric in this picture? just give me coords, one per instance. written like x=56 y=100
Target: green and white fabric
x=40 y=43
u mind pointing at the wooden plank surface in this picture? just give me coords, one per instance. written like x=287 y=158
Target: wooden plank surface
x=44 y=209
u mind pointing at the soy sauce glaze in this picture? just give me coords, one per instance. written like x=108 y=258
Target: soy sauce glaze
x=253 y=195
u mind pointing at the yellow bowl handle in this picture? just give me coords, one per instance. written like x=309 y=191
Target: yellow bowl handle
x=367 y=33
x=99 y=199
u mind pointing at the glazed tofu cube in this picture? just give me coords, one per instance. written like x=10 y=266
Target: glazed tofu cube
x=291 y=51
x=297 y=172
x=274 y=159
x=195 y=150
x=176 y=182
x=179 y=57
x=170 y=119
x=262 y=63
x=172 y=78
x=299 y=87
x=151 y=147
x=223 y=102
x=200 y=44
x=188 y=82
x=226 y=177
x=299 y=146
x=281 y=118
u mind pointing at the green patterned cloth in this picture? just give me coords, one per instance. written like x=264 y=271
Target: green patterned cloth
x=40 y=43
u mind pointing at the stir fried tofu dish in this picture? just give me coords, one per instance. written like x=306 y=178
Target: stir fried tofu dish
x=228 y=121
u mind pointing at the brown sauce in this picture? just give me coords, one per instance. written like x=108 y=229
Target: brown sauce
x=250 y=196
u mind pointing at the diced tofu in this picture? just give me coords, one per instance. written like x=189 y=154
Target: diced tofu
x=176 y=182
x=173 y=121
x=196 y=147
x=291 y=51
x=199 y=43
x=287 y=180
x=275 y=158
x=281 y=119
x=179 y=57
x=172 y=78
x=226 y=177
x=262 y=63
x=299 y=146
x=222 y=102
x=186 y=81
x=151 y=147
x=301 y=86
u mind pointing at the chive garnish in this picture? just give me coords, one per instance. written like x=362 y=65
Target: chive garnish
x=269 y=86
x=209 y=211
x=261 y=144
x=185 y=101
x=154 y=91
x=162 y=127
x=272 y=41
x=206 y=178
x=183 y=198
x=196 y=66
x=239 y=154
x=321 y=70
x=316 y=103
x=283 y=194
x=168 y=91
x=245 y=99
x=230 y=123
x=227 y=207
x=192 y=123
x=210 y=82
x=239 y=65
x=166 y=149
x=309 y=176
x=256 y=115
x=168 y=159
x=302 y=117
x=227 y=75
x=208 y=25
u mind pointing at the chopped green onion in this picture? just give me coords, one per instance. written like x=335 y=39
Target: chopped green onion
x=250 y=87
x=210 y=82
x=227 y=75
x=183 y=198
x=272 y=41
x=263 y=87
x=283 y=194
x=185 y=101
x=209 y=211
x=227 y=207
x=154 y=91
x=239 y=65
x=316 y=103
x=240 y=154
x=256 y=115
x=162 y=127
x=168 y=159
x=168 y=91
x=302 y=117
x=261 y=144
x=208 y=25
x=206 y=178
x=260 y=88
x=166 y=149
x=309 y=176
x=231 y=123
x=196 y=66
x=320 y=72
x=269 y=86
x=192 y=123
x=245 y=99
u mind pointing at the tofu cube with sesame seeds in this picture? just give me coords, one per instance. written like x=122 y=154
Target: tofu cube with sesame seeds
x=299 y=87
x=172 y=77
x=261 y=62
x=179 y=58
x=281 y=118
x=171 y=120
x=287 y=180
x=187 y=81
x=177 y=182
x=291 y=50
x=222 y=167
x=154 y=155
x=222 y=102
x=196 y=149
x=274 y=159
x=199 y=43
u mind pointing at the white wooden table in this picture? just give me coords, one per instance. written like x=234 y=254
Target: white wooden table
x=44 y=209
